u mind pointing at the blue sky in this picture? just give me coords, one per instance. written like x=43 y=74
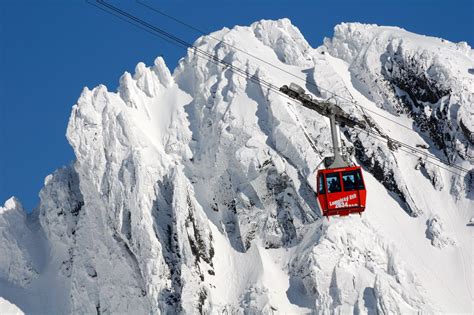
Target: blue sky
x=51 y=49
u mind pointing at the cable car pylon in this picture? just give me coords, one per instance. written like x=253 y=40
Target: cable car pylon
x=340 y=186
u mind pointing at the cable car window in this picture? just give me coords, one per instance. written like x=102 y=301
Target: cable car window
x=333 y=182
x=321 y=190
x=349 y=181
x=359 y=181
x=352 y=180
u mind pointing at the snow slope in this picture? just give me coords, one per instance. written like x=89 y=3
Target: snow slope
x=193 y=192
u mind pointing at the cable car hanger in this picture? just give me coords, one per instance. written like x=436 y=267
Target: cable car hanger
x=340 y=186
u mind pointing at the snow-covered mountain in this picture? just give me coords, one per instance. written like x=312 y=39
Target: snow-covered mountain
x=193 y=192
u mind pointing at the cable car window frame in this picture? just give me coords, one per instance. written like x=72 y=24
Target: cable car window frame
x=321 y=185
x=359 y=180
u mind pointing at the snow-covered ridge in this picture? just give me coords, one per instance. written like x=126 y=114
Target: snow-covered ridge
x=193 y=191
x=430 y=78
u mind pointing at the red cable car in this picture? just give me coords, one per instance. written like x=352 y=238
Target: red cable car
x=341 y=191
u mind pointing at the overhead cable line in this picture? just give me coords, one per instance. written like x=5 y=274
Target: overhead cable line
x=93 y=3
x=214 y=59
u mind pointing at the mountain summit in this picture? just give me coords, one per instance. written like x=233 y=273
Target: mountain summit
x=194 y=191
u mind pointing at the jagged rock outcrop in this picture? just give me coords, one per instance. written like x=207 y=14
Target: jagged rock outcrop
x=16 y=263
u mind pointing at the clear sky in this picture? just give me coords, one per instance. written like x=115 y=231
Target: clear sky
x=51 y=49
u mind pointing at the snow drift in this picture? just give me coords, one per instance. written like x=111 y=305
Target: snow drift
x=193 y=192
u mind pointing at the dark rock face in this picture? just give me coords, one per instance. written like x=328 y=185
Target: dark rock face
x=378 y=164
x=408 y=74
x=422 y=97
x=467 y=133
x=416 y=82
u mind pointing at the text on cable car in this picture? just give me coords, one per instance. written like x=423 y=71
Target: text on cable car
x=343 y=202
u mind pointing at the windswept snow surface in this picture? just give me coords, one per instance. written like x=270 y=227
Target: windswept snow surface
x=193 y=191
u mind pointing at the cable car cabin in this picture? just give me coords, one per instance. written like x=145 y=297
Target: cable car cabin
x=341 y=191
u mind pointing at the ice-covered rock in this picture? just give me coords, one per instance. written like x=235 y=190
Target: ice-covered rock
x=352 y=269
x=16 y=264
x=435 y=231
x=432 y=172
x=285 y=40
